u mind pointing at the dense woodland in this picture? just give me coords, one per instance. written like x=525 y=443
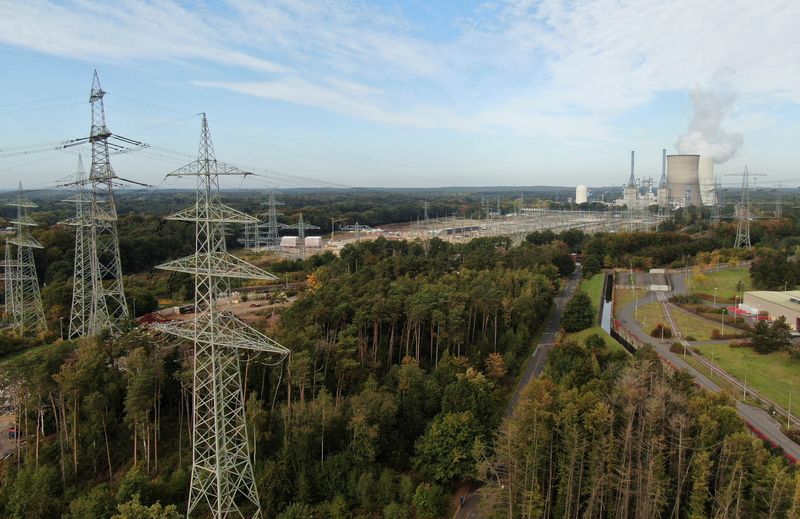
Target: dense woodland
x=403 y=357
x=602 y=437
x=398 y=349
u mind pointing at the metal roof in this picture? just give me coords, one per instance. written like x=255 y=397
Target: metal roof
x=789 y=299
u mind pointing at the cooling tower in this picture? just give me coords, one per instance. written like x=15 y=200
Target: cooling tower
x=581 y=194
x=706 y=177
x=683 y=179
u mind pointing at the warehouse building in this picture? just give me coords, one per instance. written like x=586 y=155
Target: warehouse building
x=773 y=305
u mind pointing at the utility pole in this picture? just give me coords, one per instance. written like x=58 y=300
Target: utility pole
x=222 y=471
x=80 y=311
x=26 y=308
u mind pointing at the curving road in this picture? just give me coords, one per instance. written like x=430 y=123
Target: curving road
x=756 y=417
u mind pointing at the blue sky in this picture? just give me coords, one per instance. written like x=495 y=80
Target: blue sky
x=354 y=93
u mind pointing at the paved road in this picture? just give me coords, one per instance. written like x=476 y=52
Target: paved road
x=756 y=417
x=535 y=365
x=533 y=368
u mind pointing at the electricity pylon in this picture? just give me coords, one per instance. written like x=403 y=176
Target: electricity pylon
x=80 y=312
x=222 y=472
x=108 y=309
x=265 y=235
x=271 y=240
x=26 y=300
x=8 y=281
x=743 y=222
x=301 y=227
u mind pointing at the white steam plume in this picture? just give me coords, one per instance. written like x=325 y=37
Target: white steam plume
x=705 y=135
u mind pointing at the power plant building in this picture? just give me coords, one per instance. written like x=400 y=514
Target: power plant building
x=683 y=179
x=705 y=175
x=581 y=194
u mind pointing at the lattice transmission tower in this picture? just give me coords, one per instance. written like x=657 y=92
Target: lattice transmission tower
x=301 y=227
x=265 y=235
x=268 y=232
x=108 y=309
x=9 y=264
x=222 y=472
x=743 y=222
x=22 y=283
x=81 y=310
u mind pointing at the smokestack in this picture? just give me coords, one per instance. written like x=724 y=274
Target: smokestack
x=632 y=180
x=663 y=182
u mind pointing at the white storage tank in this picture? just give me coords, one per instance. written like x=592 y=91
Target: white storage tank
x=581 y=194
x=314 y=241
x=683 y=178
x=289 y=241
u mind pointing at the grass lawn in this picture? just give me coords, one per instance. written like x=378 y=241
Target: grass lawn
x=649 y=315
x=581 y=336
x=594 y=289
x=772 y=375
x=623 y=296
x=724 y=280
x=726 y=386
x=691 y=326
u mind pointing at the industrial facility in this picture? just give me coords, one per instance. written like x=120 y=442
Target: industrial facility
x=686 y=180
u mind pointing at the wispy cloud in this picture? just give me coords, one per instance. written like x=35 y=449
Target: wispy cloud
x=126 y=30
x=549 y=68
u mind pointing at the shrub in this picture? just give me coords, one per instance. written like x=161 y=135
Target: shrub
x=676 y=348
x=659 y=329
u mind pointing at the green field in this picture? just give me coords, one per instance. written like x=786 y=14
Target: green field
x=724 y=281
x=772 y=375
x=691 y=326
x=649 y=315
x=727 y=387
x=623 y=296
x=594 y=289
x=581 y=336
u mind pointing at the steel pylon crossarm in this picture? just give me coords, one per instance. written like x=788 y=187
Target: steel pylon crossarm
x=223 y=328
x=221 y=264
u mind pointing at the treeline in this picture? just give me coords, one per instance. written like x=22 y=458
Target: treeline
x=598 y=439
x=402 y=355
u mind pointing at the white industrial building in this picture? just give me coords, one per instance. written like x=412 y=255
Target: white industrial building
x=289 y=241
x=313 y=241
x=774 y=304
